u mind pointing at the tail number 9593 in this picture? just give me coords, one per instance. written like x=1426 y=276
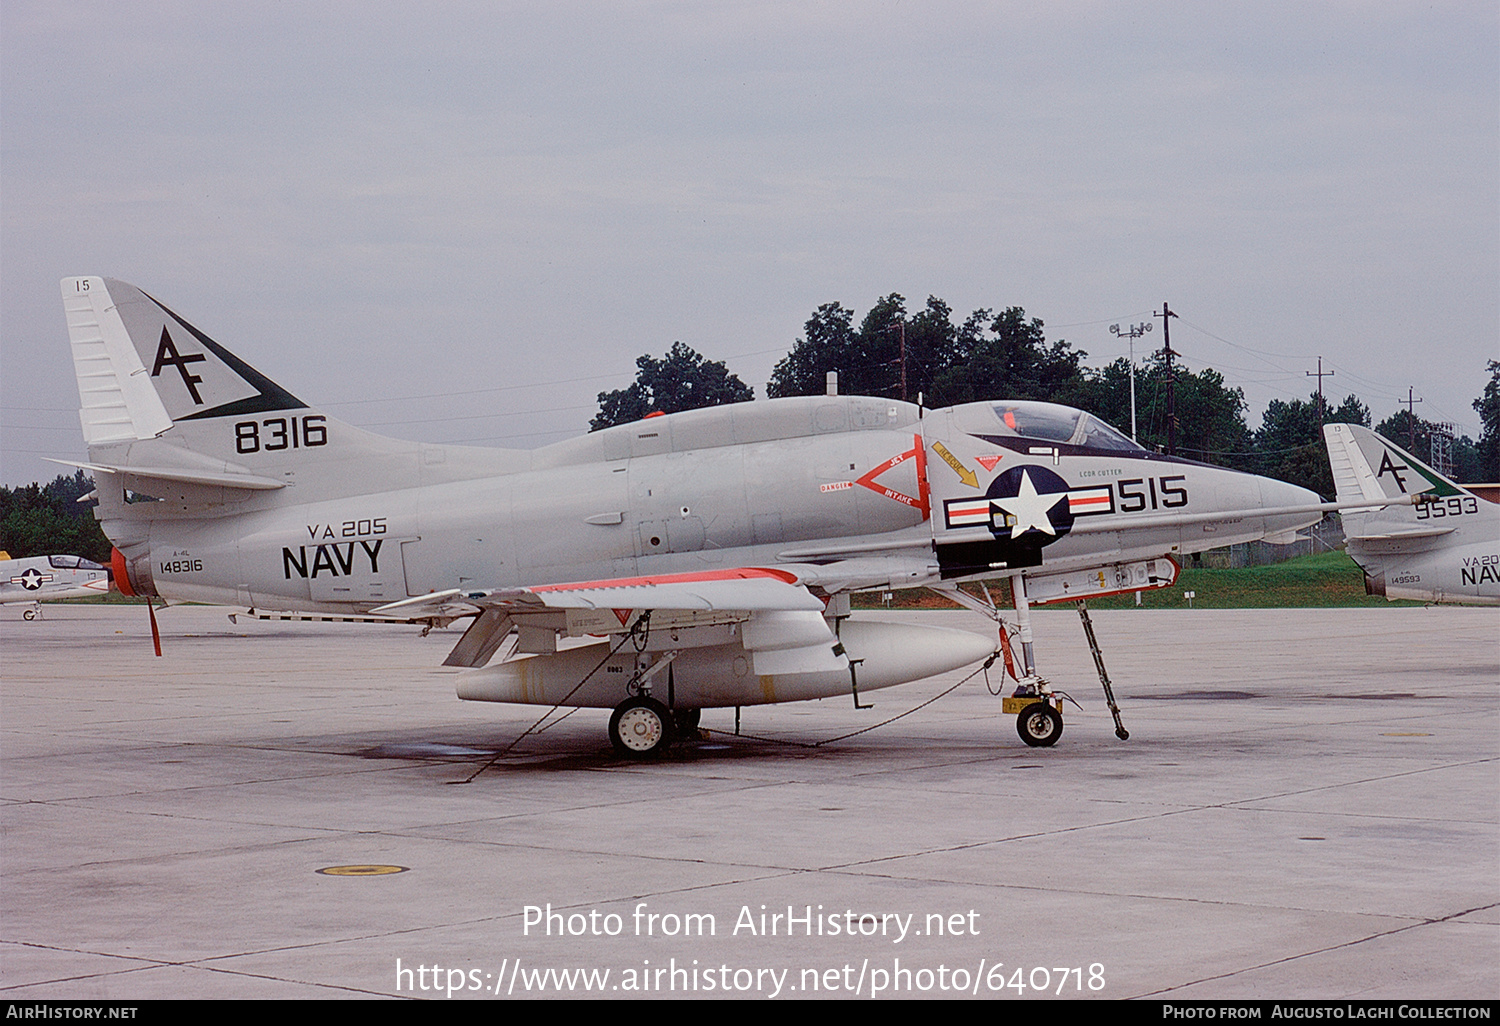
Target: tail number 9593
x=1454 y=506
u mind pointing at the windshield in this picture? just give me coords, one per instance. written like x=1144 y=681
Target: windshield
x=1099 y=435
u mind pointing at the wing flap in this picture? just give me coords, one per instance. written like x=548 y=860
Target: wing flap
x=747 y=596
x=783 y=622
x=744 y=589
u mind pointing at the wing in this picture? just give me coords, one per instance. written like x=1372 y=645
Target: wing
x=744 y=589
x=772 y=611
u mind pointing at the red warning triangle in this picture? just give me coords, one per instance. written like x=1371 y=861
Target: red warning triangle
x=988 y=462
x=623 y=615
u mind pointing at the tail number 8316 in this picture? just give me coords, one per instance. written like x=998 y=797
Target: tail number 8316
x=276 y=433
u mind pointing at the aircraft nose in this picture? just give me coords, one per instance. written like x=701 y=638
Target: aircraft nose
x=1275 y=494
x=1281 y=494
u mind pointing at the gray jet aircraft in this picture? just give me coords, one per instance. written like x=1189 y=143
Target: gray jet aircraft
x=38 y=579
x=1436 y=542
x=696 y=560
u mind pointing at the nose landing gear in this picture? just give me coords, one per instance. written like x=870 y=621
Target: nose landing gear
x=1039 y=722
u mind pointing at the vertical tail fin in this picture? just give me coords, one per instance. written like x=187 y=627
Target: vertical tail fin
x=171 y=414
x=142 y=369
x=1436 y=542
x=1367 y=467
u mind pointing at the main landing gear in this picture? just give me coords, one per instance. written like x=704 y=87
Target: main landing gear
x=640 y=727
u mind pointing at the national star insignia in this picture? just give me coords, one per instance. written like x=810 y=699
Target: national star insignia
x=32 y=579
x=1029 y=508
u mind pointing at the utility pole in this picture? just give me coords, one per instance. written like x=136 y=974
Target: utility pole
x=1411 y=419
x=1320 y=376
x=1166 y=337
x=1134 y=332
x=902 y=324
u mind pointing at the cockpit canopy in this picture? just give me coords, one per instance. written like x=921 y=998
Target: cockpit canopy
x=1041 y=422
x=72 y=563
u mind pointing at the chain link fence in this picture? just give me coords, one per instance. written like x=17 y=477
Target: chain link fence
x=1325 y=536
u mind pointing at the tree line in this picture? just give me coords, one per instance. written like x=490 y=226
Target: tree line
x=932 y=356
x=41 y=520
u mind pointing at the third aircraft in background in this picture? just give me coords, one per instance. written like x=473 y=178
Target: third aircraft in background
x=1435 y=542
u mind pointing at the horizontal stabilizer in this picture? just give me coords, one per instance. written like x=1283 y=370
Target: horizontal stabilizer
x=1400 y=532
x=198 y=477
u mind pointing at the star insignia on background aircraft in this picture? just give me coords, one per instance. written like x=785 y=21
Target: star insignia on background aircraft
x=702 y=559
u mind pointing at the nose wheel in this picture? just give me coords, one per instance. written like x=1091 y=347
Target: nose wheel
x=640 y=728
x=1040 y=725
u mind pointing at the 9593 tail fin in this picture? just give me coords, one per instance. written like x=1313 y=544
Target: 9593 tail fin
x=1369 y=467
x=1436 y=541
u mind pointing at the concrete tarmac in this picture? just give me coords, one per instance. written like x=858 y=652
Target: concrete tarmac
x=1308 y=807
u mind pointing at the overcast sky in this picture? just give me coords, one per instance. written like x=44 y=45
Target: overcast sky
x=459 y=222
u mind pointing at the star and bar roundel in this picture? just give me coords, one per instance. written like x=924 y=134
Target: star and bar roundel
x=32 y=579
x=1030 y=503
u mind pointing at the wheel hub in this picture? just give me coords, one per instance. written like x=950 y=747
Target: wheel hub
x=640 y=729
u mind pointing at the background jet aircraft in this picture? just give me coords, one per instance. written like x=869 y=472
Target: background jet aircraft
x=701 y=559
x=1440 y=543
x=43 y=578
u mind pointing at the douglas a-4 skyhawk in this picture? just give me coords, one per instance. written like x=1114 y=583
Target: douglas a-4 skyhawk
x=1436 y=541
x=695 y=560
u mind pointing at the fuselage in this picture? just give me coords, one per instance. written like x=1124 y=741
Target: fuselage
x=698 y=490
x=1461 y=571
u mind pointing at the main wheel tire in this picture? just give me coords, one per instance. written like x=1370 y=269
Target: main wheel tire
x=29 y=614
x=1039 y=725
x=685 y=722
x=640 y=728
